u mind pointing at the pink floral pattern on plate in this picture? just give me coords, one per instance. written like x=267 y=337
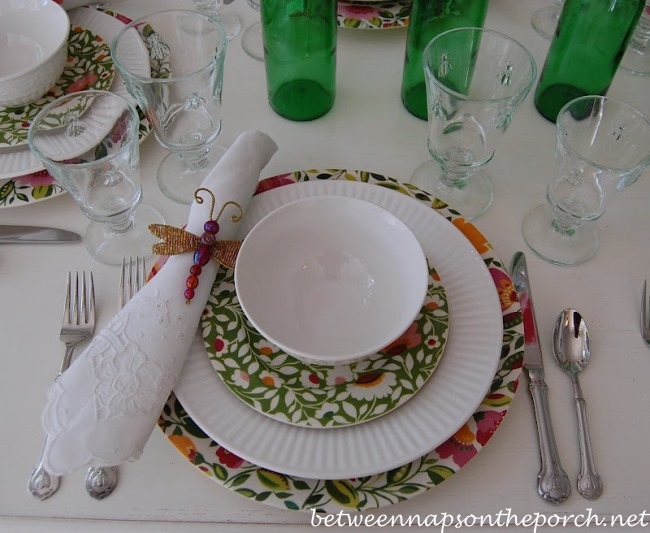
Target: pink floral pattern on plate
x=371 y=492
x=374 y=15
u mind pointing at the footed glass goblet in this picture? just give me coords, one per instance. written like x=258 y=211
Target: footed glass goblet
x=88 y=141
x=476 y=79
x=544 y=20
x=181 y=94
x=251 y=39
x=601 y=148
x=637 y=56
x=229 y=20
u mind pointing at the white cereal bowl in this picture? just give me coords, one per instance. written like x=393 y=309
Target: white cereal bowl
x=331 y=279
x=34 y=45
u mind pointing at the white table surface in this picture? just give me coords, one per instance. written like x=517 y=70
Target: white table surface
x=367 y=129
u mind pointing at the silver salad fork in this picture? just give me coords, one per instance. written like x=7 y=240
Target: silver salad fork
x=78 y=325
x=100 y=482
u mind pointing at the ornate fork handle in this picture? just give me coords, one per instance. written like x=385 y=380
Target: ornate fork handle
x=42 y=484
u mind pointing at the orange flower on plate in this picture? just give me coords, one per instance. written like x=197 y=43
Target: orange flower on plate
x=184 y=445
x=474 y=236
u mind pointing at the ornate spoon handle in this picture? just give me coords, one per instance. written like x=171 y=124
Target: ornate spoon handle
x=589 y=485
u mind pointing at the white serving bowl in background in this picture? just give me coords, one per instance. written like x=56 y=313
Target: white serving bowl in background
x=34 y=45
x=331 y=279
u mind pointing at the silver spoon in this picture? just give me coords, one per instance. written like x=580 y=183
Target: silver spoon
x=571 y=349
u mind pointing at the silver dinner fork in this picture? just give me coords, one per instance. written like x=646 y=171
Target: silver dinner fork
x=77 y=326
x=100 y=482
x=645 y=314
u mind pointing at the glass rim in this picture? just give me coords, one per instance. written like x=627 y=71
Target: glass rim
x=134 y=127
x=216 y=58
x=603 y=99
x=524 y=90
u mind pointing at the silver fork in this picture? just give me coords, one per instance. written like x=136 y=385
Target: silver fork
x=78 y=325
x=100 y=482
x=645 y=312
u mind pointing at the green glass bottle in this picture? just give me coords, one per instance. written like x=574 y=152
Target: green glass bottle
x=428 y=19
x=588 y=45
x=300 y=56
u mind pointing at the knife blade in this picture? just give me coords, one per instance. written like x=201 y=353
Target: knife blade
x=35 y=234
x=552 y=481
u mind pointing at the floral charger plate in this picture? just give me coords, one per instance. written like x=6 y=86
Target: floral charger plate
x=387 y=488
x=320 y=395
x=361 y=15
x=25 y=181
x=89 y=66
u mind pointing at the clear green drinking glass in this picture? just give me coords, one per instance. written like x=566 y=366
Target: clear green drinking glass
x=428 y=19
x=587 y=48
x=300 y=56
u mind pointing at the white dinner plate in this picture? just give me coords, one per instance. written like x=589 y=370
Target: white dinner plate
x=437 y=411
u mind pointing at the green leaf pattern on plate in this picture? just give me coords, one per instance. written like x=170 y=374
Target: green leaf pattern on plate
x=390 y=487
x=17 y=190
x=286 y=389
x=89 y=66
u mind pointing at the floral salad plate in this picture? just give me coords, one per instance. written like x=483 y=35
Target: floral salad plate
x=320 y=395
x=395 y=484
x=89 y=66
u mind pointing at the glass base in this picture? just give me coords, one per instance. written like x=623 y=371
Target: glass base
x=111 y=247
x=251 y=41
x=544 y=21
x=179 y=182
x=555 y=247
x=636 y=63
x=471 y=200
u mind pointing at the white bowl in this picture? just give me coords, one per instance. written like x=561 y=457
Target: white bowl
x=34 y=45
x=331 y=279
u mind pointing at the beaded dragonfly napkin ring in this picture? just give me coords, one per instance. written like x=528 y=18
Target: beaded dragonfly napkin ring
x=177 y=241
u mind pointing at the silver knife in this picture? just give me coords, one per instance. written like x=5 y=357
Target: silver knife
x=552 y=481
x=35 y=234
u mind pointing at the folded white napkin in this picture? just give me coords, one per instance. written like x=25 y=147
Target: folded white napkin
x=101 y=411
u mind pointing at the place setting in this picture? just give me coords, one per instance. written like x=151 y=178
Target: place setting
x=448 y=370
x=256 y=449
x=355 y=331
x=89 y=66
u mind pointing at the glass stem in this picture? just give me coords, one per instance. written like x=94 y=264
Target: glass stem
x=641 y=38
x=123 y=225
x=454 y=180
x=194 y=160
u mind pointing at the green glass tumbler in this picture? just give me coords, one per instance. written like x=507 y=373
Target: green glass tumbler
x=587 y=48
x=300 y=56
x=428 y=19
